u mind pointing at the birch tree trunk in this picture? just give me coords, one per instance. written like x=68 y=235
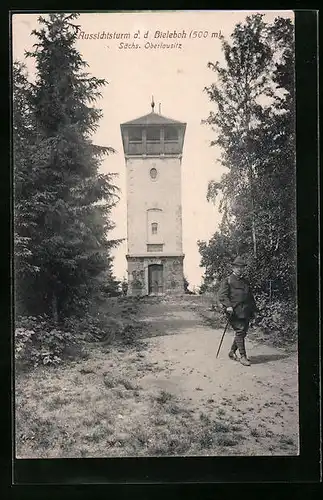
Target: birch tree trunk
x=253 y=214
x=247 y=121
x=253 y=229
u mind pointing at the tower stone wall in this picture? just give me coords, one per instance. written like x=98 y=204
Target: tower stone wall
x=138 y=274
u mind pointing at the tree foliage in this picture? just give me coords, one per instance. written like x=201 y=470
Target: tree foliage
x=254 y=127
x=24 y=132
x=62 y=202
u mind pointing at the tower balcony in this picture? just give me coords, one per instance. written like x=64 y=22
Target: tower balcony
x=153 y=134
x=154 y=148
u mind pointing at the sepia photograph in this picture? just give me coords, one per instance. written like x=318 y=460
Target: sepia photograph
x=155 y=269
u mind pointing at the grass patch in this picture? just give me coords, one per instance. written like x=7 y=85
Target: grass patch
x=174 y=409
x=284 y=440
x=221 y=427
x=85 y=371
x=57 y=402
x=236 y=428
x=226 y=441
x=99 y=423
x=242 y=397
x=164 y=397
x=220 y=412
x=128 y=385
x=109 y=382
x=255 y=433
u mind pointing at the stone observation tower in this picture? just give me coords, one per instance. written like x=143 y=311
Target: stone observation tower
x=153 y=146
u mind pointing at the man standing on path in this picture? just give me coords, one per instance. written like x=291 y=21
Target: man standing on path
x=236 y=297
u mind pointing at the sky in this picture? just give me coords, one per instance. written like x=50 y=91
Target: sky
x=176 y=78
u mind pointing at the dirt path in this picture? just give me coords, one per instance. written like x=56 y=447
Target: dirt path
x=166 y=396
x=265 y=395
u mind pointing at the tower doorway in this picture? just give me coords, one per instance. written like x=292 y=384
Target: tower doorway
x=155 y=279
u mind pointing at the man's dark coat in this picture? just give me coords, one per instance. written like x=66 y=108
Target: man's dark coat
x=236 y=292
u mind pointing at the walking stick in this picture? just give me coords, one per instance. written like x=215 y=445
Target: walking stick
x=226 y=326
x=225 y=329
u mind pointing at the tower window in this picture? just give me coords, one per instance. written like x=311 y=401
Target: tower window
x=153 y=173
x=153 y=134
x=171 y=134
x=135 y=135
x=154 y=228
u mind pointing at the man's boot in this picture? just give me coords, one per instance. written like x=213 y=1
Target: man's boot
x=244 y=361
x=232 y=355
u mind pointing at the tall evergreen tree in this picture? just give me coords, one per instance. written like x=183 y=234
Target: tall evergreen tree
x=71 y=216
x=24 y=191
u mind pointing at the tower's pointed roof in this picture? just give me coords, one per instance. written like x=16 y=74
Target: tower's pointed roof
x=153 y=118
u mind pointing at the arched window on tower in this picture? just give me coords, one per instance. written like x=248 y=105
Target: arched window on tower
x=155 y=226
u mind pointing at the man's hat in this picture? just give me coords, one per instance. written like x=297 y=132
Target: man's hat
x=239 y=262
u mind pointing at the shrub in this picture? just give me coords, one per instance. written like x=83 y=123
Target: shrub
x=90 y=327
x=117 y=323
x=39 y=342
x=277 y=319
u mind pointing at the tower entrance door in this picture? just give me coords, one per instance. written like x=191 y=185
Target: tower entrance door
x=156 y=279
